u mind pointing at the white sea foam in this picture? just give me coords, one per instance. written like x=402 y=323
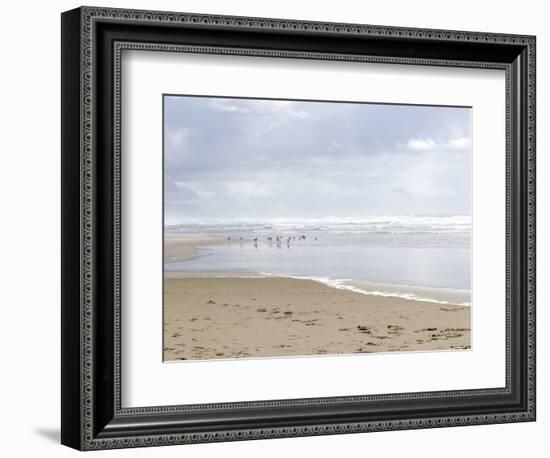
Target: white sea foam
x=404 y=224
x=400 y=291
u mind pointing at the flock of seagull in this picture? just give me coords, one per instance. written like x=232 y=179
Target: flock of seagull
x=278 y=240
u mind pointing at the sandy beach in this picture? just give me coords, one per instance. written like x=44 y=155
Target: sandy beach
x=216 y=315
x=187 y=247
x=215 y=318
x=306 y=240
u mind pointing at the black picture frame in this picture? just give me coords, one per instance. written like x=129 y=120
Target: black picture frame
x=92 y=40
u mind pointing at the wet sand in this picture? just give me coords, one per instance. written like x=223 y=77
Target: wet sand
x=187 y=247
x=232 y=317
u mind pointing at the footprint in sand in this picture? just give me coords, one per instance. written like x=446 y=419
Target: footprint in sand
x=394 y=329
x=455 y=335
x=455 y=309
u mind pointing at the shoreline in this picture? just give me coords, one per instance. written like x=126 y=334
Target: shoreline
x=235 y=317
x=441 y=296
x=179 y=248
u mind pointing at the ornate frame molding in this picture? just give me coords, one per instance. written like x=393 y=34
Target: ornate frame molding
x=89 y=434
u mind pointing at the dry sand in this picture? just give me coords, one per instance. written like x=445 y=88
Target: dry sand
x=216 y=318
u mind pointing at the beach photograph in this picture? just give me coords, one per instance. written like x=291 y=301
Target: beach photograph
x=299 y=228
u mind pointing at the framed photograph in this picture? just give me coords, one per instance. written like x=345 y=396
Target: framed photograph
x=276 y=228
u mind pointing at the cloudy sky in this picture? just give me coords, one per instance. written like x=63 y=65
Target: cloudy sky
x=240 y=158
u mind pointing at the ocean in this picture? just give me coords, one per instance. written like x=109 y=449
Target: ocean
x=407 y=256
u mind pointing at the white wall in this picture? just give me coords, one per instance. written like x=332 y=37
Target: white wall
x=29 y=245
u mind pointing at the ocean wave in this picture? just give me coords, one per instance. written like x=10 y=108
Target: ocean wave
x=405 y=224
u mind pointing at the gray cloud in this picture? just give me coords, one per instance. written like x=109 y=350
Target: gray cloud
x=241 y=158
